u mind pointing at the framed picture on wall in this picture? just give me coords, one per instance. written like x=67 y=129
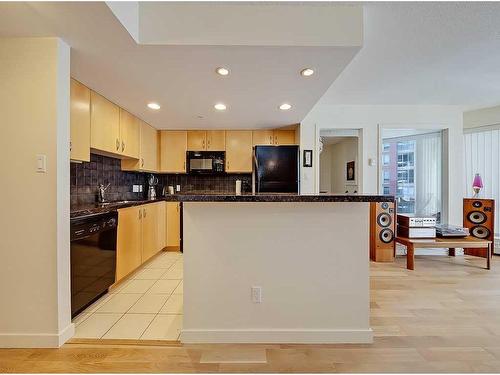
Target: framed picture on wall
x=350 y=172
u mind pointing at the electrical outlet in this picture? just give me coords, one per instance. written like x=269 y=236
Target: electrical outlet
x=140 y=188
x=135 y=188
x=178 y=187
x=256 y=294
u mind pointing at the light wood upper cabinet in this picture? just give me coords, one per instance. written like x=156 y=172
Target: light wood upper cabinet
x=196 y=140
x=104 y=124
x=149 y=148
x=216 y=140
x=149 y=230
x=79 y=121
x=148 y=151
x=129 y=134
x=263 y=137
x=206 y=140
x=173 y=224
x=284 y=137
x=129 y=241
x=238 y=151
x=173 y=147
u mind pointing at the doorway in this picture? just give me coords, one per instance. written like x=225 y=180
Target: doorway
x=338 y=163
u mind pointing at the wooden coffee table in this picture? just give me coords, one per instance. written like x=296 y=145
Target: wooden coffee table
x=449 y=243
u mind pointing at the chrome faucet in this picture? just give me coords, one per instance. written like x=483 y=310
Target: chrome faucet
x=102 y=190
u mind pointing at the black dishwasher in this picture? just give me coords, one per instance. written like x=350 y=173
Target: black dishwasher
x=93 y=258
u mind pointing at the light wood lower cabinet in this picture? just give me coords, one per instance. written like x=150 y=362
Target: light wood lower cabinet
x=129 y=241
x=149 y=231
x=162 y=225
x=138 y=236
x=173 y=224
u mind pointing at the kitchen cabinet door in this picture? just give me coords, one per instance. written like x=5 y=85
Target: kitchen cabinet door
x=149 y=230
x=104 y=124
x=238 y=151
x=173 y=225
x=284 y=137
x=263 y=137
x=79 y=121
x=149 y=148
x=129 y=241
x=216 y=140
x=129 y=134
x=196 y=140
x=162 y=225
x=173 y=146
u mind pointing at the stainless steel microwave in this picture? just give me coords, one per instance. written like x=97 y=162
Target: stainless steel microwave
x=205 y=162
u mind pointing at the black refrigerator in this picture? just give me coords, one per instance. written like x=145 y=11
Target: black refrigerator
x=276 y=169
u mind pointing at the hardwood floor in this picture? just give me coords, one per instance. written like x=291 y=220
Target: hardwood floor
x=442 y=317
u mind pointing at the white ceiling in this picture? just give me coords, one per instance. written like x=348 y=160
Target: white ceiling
x=424 y=53
x=181 y=77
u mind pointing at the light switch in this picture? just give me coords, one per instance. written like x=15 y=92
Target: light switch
x=372 y=162
x=41 y=163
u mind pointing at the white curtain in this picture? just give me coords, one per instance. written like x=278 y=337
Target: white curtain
x=428 y=174
x=482 y=156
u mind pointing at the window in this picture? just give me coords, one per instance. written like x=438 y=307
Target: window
x=387 y=176
x=415 y=167
x=386 y=147
x=386 y=158
x=387 y=190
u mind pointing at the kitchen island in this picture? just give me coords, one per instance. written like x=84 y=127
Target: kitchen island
x=276 y=268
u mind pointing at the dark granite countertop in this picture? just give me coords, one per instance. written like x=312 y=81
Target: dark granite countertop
x=87 y=210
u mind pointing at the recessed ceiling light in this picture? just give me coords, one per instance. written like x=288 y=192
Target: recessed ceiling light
x=154 y=106
x=220 y=107
x=285 y=107
x=222 y=71
x=307 y=72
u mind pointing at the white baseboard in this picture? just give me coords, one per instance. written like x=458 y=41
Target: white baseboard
x=37 y=340
x=335 y=336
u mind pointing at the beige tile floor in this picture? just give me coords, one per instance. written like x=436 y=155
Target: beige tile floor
x=148 y=306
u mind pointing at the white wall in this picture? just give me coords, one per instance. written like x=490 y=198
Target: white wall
x=343 y=152
x=482 y=117
x=369 y=118
x=296 y=252
x=34 y=277
x=325 y=166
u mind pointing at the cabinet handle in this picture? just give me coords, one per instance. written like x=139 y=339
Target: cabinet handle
x=144 y=212
x=270 y=139
x=275 y=139
x=208 y=144
x=227 y=164
x=184 y=166
x=142 y=162
x=203 y=144
x=70 y=146
x=177 y=206
x=117 y=144
x=123 y=146
x=140 y=214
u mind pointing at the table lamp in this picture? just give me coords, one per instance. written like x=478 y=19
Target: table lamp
x=477 y=185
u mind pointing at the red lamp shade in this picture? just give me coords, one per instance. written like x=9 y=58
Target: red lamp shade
x=478 y=182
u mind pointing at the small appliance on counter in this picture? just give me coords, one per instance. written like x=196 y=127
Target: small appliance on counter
x=205 y=162
x=152 y=181
x=414 y=226
x=276 y=169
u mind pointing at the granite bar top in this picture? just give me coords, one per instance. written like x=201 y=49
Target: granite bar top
x=87 y=210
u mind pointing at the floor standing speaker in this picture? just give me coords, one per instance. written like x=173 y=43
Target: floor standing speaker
x=479 y=217
x=382 y=231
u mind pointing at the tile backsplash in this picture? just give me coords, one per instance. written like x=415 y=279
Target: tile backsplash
x=85 y=178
